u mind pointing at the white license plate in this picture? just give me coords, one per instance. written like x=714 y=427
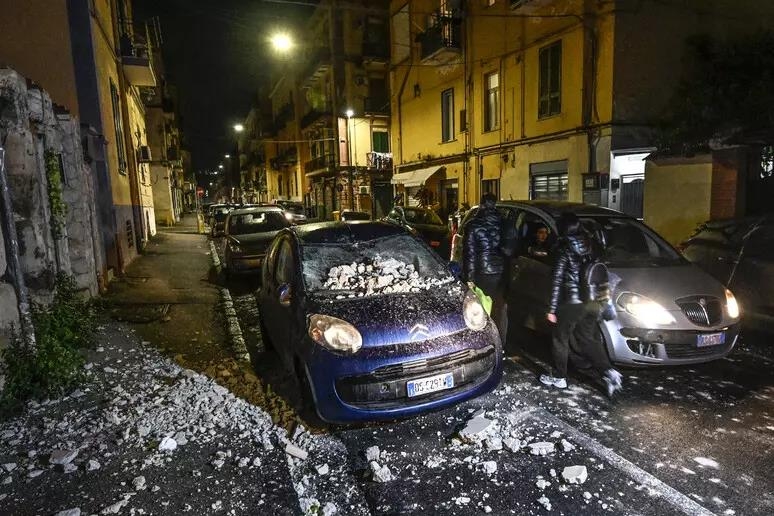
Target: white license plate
x=710 y=339
x=430 y=384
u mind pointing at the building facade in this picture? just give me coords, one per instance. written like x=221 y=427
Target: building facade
x=538 y=99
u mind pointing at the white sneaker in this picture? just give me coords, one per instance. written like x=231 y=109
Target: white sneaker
x=559 y=383
x=613 y=382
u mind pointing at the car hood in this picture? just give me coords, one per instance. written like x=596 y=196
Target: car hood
x=666 y=284
x=391 y=319
x=254 y=241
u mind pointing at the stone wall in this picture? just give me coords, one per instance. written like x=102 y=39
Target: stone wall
x=32 y=131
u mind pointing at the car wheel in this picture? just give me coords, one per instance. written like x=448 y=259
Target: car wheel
x=265 y=339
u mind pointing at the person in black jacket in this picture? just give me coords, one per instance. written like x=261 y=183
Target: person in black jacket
x=575 y=318
x=483 y=261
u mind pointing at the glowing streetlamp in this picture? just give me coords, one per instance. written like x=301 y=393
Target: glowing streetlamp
x=281 y=42
x=238 y=128
x=227 y=156
x=220 y=166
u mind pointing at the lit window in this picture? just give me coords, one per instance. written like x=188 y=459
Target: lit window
x=492 y=101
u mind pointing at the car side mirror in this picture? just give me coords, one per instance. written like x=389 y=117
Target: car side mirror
x=285 y=295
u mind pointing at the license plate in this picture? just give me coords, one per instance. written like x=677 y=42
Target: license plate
x=435 y=243
x=710 y=339
x=430 y=384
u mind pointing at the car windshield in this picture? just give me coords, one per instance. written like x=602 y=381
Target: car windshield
x=629 y=243
x=258 y=222
x=396 y=263
x=422 y=217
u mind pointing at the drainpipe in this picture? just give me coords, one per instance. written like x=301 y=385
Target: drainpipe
x=12 y=252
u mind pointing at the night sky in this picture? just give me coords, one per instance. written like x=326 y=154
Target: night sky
x=216 y=52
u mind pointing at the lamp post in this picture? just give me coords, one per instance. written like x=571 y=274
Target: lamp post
x=349 y=114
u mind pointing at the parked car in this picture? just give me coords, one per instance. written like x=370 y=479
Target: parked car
x=248 y=232
x=740 y=254
x=294 y=211
x=372 y=324
x=669 y=310
x=424 y=223
x=218 y=214
x=350 y=215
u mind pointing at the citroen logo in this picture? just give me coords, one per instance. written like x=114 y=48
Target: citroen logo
x=419 y=332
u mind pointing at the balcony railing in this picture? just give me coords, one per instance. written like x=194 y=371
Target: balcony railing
x=318 y=64
x=136 y=61
x=442 y=42
x=319 y=163
x=376 y=105
x=315 y=114
x=378 y=51
x=379 y=160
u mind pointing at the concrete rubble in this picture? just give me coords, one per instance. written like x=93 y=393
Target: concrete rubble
x=379 y=276
x=380 y=473
x=541 y=448
x=575 y=474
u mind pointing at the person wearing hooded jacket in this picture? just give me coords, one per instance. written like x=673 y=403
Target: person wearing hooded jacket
x=575 y=319
x=483 y=261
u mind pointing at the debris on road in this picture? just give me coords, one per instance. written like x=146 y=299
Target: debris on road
x=295 y=451
x=167 y=444
x=575 y=474
x=380 y=473
x=476 y=428
x=545 y=502
x=541 y=448
x=372 y=453
x=62 y=457
x=567 y=446
x=489 y=467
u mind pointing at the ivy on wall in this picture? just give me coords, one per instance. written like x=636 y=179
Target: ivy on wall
x=55 y=197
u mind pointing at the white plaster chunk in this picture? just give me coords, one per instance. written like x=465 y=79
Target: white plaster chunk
x=295 y=451
x=541 y=448
x=575 y=474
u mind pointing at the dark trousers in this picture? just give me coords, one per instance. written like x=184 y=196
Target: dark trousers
x=493 y=286
x=576 y=336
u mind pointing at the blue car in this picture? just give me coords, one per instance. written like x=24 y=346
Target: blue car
x=372 y=324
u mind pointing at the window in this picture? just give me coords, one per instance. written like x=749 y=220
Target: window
x=119 y=125
x=535 y=238
x=548 y=180
x=447 y=115
x=380 y=141
x=491 y=186
x=492 y=101
x=284 y=271
x=550 y=80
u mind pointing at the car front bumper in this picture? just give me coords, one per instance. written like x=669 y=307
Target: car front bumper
x=372 y=385
x=629 y=344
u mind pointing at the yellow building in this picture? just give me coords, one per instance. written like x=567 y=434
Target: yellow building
x=331 y=106
x=541 y=99
x=87 y=54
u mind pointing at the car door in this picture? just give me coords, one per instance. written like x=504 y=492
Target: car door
x=530 y=273
x=283 y=294
x=752 y=280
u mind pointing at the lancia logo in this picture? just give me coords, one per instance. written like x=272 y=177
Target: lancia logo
x=703 y=302
x=419 y=332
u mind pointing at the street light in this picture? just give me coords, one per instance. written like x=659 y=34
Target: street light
x=282 y=42
x=349 y=114
x=220 y=167
x=239 y=128
x=227 y=156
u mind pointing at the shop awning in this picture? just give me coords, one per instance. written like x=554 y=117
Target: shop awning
x=415 y=177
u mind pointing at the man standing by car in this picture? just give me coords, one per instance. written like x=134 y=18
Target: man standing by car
x=575 y=318
x=483 y=262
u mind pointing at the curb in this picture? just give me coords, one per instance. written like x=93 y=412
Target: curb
x=233 y=329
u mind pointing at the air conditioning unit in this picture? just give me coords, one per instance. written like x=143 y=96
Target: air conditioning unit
x=143 y=154
x=364 y=190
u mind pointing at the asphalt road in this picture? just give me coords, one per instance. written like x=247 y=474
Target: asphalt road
x=684 y=440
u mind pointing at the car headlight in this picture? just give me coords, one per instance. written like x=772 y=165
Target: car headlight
x=288 y=216
x=644 y=309
x=732 y=307
x=473 y=312
x=334 y=334
x=234 y=248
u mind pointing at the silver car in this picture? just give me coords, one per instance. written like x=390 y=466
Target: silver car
x=670 y=312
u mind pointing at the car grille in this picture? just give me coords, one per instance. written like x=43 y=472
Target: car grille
x=691 y=351
x=702 y=311
x=423 y=364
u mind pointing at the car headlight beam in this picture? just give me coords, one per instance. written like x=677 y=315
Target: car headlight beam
x=646 y=310
x=334 y=334
x=473 y=312
x=732 y=306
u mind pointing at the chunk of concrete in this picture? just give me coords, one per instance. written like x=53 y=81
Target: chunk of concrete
x=575 y=474
x=380 y=473
x=476 y=428
x=541 y=448
x=62 y=457
x=295 y=451
x=489 y=467
x=167 y=444
x=372 y=453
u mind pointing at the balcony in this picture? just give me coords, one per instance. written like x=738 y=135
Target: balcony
x=318 y=65
x=319 y=163
x=442 y=43
x=136 y=61
x=376 y=105
x=317 y=115
x=379 y=160
x=284 y=115
x=376 y=53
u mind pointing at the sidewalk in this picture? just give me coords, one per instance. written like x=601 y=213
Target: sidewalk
x=147 y=433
